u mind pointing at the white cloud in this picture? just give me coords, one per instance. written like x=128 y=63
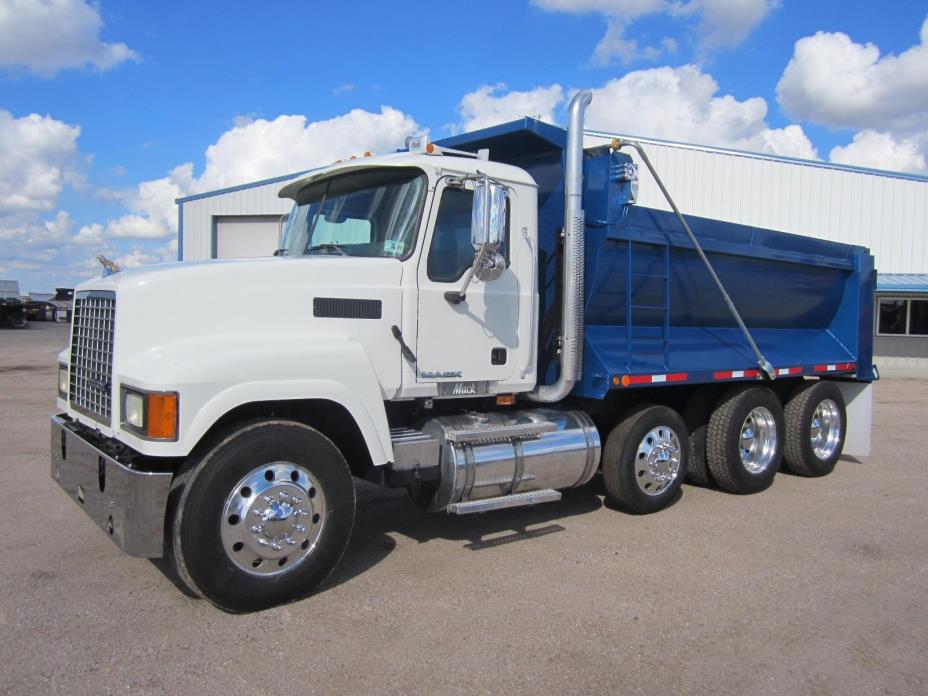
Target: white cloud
x=89 y=235
x=38 y=156
x=718 y=23
x=881 y=151
x=683 y=104
x=45 y=36
x=489 y=105
x=30 y=231
x=258 y=149
x=836 y=82
x=832 y=80
x=727 y=23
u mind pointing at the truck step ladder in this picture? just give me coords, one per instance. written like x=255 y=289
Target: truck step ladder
x=505 y=501
x=635 y=282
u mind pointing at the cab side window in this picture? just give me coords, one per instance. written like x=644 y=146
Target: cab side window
x=451 y=253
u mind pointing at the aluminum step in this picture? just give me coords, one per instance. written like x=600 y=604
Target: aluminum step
x=505 y=501
x=516 y=431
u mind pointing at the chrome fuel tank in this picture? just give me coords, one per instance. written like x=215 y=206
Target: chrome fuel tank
x=486 y=455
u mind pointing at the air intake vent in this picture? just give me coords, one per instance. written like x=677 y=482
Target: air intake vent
x=91 y=389
x=346 y=308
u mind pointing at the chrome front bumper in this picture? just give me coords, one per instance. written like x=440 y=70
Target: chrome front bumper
x=127 y=504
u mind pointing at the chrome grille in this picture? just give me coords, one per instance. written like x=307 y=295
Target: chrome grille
x=91 y=371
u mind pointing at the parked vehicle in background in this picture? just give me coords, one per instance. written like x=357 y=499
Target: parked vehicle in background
x=484 y=324
x=12 y=309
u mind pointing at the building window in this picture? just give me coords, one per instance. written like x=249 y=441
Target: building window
x=902 y=316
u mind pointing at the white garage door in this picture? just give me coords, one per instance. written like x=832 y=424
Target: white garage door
x=243 y=236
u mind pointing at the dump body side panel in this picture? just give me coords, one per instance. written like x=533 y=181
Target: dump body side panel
x=653 y=314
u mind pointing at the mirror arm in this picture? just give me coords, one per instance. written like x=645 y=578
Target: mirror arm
x=458 y=296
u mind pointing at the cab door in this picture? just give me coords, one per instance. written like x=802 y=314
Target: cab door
x=465 y=346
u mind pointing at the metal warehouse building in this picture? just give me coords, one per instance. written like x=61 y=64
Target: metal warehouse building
x=885 y=211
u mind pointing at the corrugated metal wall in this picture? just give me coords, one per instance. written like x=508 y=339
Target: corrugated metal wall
x=885 y=213
x=198 y=214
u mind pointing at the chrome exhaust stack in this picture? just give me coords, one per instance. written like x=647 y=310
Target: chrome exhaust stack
x=571 y=338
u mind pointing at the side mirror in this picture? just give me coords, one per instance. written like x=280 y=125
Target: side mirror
x=487 y=236
x=488 y=218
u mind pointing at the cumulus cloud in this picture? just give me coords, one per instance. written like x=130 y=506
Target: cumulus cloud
x=881 y=151
x=492 y=104
x=727 y=23
x=832 y=80
x=38 y=156
x=46 y=36
x=684 y=104
x=839 y=83
x=681 y=104
x=716 y=23
x=258 y=149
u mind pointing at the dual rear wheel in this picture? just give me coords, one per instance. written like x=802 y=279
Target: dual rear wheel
x=738 y=441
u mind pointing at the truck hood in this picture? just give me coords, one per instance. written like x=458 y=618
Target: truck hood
x=245 y=301
x=198 y=286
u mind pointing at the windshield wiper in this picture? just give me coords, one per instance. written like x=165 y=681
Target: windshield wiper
x=328 y=245
x=281 y=252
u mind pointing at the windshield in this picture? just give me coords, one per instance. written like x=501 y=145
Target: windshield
x=373 y=212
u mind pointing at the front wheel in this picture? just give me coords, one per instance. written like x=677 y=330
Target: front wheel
x=263 y=517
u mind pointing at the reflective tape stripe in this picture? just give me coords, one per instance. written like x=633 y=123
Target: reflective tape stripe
x=789 y=371
x=626 y=380
x=836 y=367
x=735 y=374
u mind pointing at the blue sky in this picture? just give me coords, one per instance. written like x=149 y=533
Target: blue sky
x=110 y=110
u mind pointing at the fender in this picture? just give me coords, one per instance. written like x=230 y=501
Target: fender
x=213 y=376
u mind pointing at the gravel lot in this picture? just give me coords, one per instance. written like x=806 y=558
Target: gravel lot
x=814 y=586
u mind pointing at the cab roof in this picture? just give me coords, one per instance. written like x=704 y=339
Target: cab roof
x=445 y=162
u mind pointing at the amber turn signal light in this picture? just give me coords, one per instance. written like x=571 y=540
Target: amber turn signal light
x=162 y=416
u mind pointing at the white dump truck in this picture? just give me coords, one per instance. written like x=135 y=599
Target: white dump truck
x=486 y=322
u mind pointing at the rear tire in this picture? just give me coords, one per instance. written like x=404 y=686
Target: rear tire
x=262 y=517
x=744 y=439
x=816 y=425
x=696 y=415
x=644 y=460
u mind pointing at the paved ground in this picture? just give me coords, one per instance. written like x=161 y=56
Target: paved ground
x=812 y=587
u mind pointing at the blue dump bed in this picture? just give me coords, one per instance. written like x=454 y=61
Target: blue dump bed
x=653 y=313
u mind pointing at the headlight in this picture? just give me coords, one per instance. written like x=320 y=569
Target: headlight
x=152 y=415
x=63 y=381
x=134 y=410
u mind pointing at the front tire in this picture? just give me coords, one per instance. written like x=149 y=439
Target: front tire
x=645 y=458
x=262 y=517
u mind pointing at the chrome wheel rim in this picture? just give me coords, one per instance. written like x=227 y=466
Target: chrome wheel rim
x=758 y=440
x=272 y=519
x=657 y=461
x=825 y=432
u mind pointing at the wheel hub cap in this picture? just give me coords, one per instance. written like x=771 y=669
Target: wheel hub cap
x=272 y=518
x=657 y=460
x=758 y=442
x=825 y=432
